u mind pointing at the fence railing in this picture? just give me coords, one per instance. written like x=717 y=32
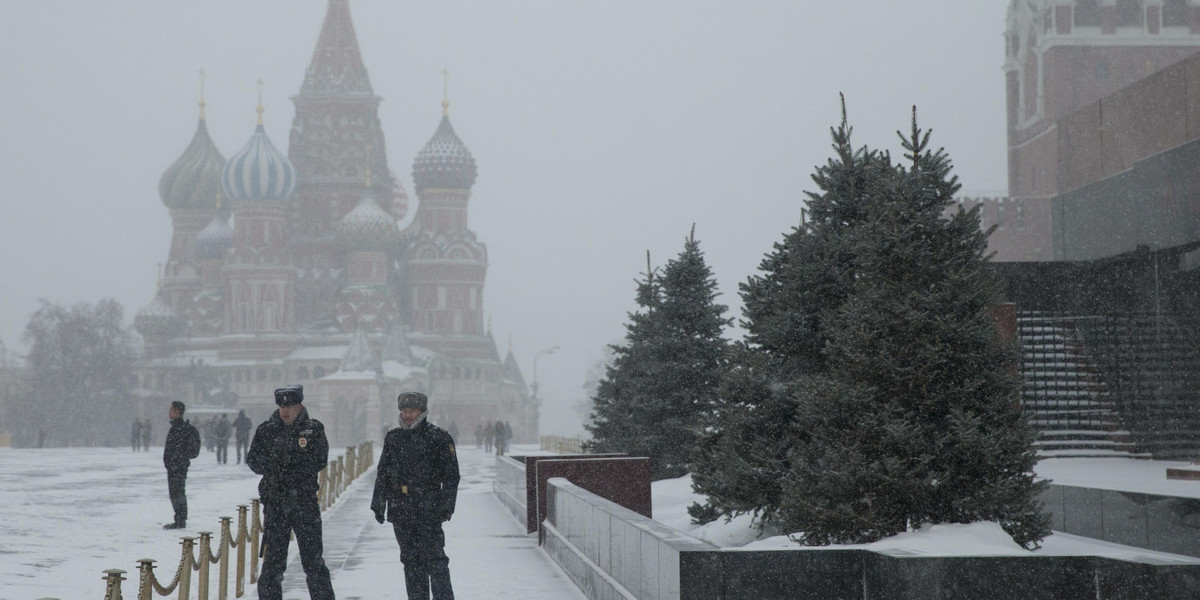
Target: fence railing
x=562 y=445
x=333 y=480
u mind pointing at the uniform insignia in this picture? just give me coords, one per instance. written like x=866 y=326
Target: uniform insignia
x=303 y=442
x=452 y=449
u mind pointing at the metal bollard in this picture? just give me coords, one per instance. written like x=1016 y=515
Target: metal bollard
x=145 y=575
x=255 y=532
x=223 y=565
x=185 y=569
x=205 y=552
x=112 y=586
x=240 y=587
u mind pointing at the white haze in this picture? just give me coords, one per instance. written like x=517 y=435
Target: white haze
x=602 y=129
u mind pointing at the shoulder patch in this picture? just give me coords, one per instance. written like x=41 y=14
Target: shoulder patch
x=452 y=452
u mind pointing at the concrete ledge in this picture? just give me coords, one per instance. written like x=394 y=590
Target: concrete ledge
x=613 y=553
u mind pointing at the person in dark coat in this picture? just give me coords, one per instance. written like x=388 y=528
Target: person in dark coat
x=135 y=438
x=146 y=436
x=289 y=450
x=416 y=488
x=500 y=441
x=182 y=445
x=488 y=433
x=222 y=431
x=241 y=433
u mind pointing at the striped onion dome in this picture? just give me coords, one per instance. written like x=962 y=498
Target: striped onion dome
x=214 y=239
x=157 y=319
x=259 y=171
x=367 y=226
x=194 y=179
x=444 y=162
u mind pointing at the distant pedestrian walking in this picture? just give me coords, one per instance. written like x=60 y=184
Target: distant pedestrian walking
x=289 y=450
x=146 y=435
x=241 y=433
x=500 y=441
x=182 y=445
x=478 y=436
x=135 y=437
x=488 y=436
x=221 y=431
x=416 y=488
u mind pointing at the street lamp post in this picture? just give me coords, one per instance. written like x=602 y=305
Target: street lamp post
x=541 y=353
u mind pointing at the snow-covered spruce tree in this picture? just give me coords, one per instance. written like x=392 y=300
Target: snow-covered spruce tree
x=655 y=407
x=626 y=384
x=918 y=422
x=744 y=458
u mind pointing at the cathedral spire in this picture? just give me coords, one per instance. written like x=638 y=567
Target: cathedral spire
x=202 y=74
x=337 y=65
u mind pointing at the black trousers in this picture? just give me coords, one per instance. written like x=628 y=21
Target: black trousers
x=242 y=447
x=426 y=566
x=280 y=519
x=177 y=489
x=223 y=451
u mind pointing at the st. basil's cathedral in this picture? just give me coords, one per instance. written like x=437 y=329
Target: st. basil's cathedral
x=296 y=269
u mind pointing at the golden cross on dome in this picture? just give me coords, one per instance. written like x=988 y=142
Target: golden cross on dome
x=202 y=74
x=445 y=92
x=260 y=106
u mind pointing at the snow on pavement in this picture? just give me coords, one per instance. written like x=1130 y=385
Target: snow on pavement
x=70 y=513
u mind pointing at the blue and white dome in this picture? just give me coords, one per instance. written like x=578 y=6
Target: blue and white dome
x=258 y=171
x=212 y=241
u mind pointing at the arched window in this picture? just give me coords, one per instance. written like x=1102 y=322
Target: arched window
x=1087 y=13
x=318 y=372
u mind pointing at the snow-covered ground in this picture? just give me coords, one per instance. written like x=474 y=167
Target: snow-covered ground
x=673 y=496
x=66 y=515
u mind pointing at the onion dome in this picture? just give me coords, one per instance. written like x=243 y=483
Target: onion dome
x=158 y=320
x=212 y=241
x=367 y=226
x=258 y=171
x=194 y=179
x=444 y=162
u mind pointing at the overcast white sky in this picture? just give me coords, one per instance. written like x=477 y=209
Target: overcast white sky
x=602 y=129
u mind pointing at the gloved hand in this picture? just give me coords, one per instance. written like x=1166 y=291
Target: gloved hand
x=379 y=517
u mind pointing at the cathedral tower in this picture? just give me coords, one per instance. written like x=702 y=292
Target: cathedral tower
x=447 y=265
x=335 y=139
x=188 y=189
x=260 y=280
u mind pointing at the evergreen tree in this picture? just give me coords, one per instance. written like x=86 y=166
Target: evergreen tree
x=744 y=458
x=905 y=412
x=665 y=379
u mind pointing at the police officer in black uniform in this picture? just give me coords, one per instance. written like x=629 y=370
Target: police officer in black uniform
x=416 y=486
x=181 y=446
x=289 y=450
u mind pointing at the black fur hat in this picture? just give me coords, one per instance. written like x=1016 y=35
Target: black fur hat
x=415 y=400
x=289 y=395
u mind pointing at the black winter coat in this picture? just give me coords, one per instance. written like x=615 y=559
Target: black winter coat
x=417 y=477
x=289 y=457
x=180 y=444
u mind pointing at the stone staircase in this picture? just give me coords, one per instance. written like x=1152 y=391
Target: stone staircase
x=1063 y=395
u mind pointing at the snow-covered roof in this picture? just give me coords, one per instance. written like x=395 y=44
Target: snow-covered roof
x=399 y=371
x=318 y=353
